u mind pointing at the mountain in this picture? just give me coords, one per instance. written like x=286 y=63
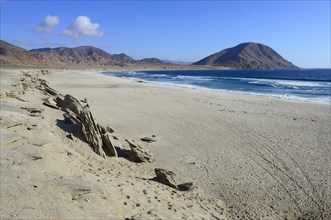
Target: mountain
x=122 y=57
x=61 y=56
x=247 y=56
x=76 y=53
x=243 y=56
x=151 y=61
x=13 y=55
x=82 y=55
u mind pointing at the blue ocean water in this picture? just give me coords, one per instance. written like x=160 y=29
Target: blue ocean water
x=312 y=85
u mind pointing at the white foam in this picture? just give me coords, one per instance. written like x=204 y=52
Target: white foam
x=287 y=83
x=272 y=82
x=196 y=78
x=325 y=100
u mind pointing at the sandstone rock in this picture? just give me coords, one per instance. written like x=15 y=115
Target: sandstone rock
x=185 y=186
x=33 y=110
x=95 y=134
x=149 y=139
x=104 y=130
x=101 y=129
x=109 y=129
x=166 y=177
x=71 y=118
x=49 y=90
x=138 y=153
x=107 y=143
x=50 y=103
x=70 y=102
x=85 y=100
x=91 y=131
x=35 y=115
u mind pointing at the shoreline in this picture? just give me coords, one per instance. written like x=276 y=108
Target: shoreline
x=188 y=86
x=257 y=154
x=324 y=101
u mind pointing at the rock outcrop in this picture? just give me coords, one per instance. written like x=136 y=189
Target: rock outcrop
x=100 y=138
x=91 y=131
x=166 y=177
x=50 y=103
x=70 y=102
x=138 y=153
x=148 y=139
x=97 y=136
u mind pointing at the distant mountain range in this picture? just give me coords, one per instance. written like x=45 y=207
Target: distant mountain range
x=63 y=56
x=247 y=56
x=86 y=55
x=242 y=56
x=151 y=61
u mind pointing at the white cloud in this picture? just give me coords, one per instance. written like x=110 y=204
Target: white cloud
x=47 y=26
x=82 y=26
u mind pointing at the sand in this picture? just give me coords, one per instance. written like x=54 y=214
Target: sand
x=46 y=174
x=257 y=157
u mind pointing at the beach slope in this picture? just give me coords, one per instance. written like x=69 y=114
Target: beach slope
x=265 y=157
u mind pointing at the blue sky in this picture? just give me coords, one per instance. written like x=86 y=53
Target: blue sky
x=173 y=30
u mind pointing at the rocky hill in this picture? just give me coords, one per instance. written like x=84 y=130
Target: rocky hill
x=247 y=56
x=122 y=57
x=82 y=55
x=12 y=55
x=151 y=61
x=61 y=56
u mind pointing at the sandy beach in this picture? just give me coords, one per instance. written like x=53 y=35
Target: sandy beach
x=248 y=156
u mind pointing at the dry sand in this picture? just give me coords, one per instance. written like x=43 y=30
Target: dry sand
x=266 y=158
x=47 y=175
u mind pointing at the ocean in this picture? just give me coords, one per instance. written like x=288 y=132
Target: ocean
x=311 y=85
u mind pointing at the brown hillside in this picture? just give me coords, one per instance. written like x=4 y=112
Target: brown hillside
x=13 y=55
x=247 y=56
